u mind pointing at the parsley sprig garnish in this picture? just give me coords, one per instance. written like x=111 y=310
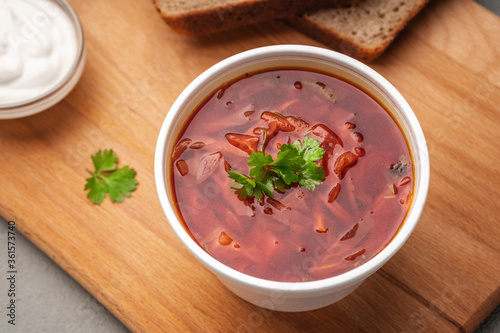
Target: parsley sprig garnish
x=295 y=163
x=106 y=179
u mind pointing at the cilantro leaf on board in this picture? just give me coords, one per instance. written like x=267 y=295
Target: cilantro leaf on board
x=295 y=163
x=105 y=161
x=107 y=179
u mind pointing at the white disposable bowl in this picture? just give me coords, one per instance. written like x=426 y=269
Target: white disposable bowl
x=292 y=296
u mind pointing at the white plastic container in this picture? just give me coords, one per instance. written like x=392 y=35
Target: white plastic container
x=292 y=296
x=42 y=55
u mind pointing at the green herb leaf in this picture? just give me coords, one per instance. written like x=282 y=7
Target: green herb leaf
x=311 y=175
x=294 y=164
x=267 y=186
x=259 y=161
x=242 y=185
x=121 y=183
x=106 y=179
x=310 y=149
x=105 y=161
x=287 y=164
x=97 y=190
x=248 y=187
x=279 y=184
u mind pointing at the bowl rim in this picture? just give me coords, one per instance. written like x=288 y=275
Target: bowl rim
x=55 y=94
x=343 y=280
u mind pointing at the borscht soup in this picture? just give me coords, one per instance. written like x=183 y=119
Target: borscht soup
x=291 y=174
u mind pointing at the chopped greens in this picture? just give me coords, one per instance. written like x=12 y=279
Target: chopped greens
x=295 y=163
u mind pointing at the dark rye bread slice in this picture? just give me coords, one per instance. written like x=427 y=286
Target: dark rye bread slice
x=363 y=30
x=198 y=17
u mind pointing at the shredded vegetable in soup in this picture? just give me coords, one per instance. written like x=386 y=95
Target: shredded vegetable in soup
x=290 y=174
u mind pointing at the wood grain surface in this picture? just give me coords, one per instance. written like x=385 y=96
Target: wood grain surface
x=445 y=279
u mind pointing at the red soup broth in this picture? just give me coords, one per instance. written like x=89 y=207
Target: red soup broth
x=300 y=235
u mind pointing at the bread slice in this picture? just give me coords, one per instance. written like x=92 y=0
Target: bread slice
x=198 y=17
x=363 y=30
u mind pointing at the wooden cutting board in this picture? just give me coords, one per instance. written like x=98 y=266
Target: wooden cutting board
x=445 y=279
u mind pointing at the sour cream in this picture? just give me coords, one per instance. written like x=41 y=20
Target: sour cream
x=38 y=49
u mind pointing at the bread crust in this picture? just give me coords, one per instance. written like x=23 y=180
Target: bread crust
x=342 y=42
x=245 y=12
